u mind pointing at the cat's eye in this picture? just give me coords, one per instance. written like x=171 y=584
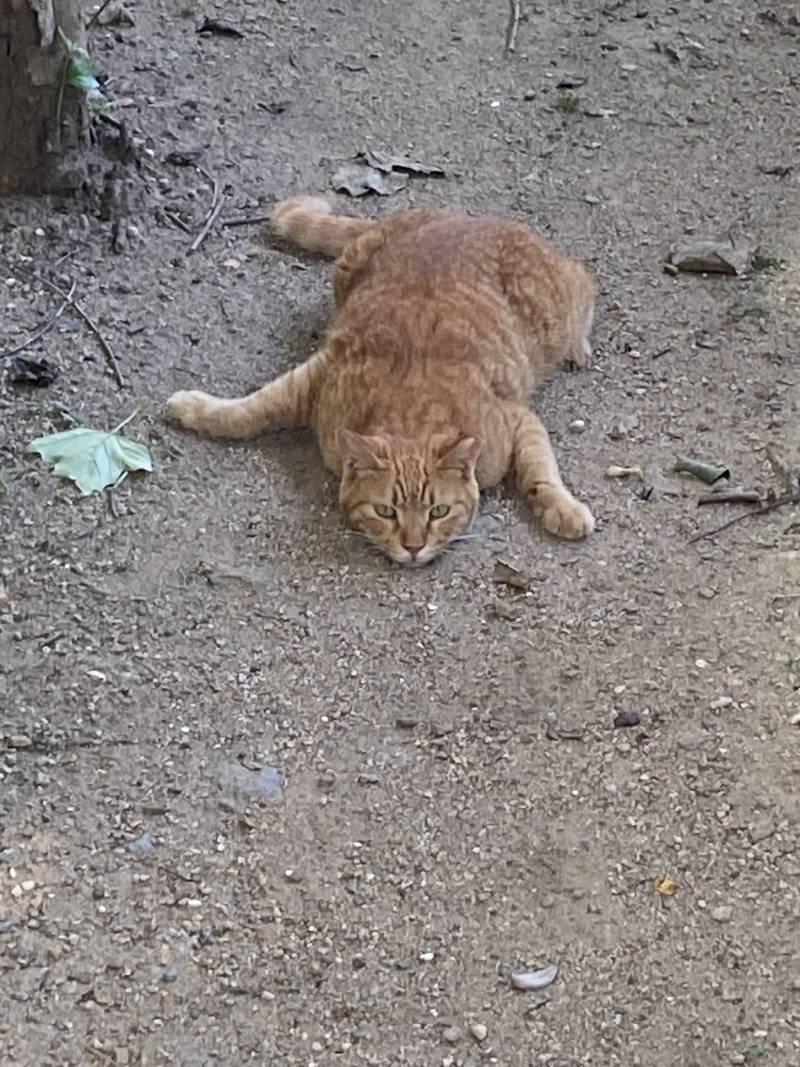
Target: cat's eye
x=386 y=511
x=438 y=511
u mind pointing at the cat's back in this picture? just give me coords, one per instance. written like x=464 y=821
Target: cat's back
x=436 y=254
x=423 y=249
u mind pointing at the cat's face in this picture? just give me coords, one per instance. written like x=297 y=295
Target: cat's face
x=411 y=500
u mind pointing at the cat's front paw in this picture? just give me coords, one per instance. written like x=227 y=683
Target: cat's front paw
x=580 y=358
x=562 y=515
x=188 y=408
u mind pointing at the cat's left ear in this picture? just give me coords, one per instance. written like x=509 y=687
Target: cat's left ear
x=460 y=456
x=360 y=453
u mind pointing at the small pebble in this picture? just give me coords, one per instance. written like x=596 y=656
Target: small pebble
x=535 y=979
x=706 y=592
x=621 y=426
x=451 y=1035
x=169 y=975
x=721 y=702
x=577 y=425
x=142 y=845
x=530 y=94
x=479 y=1031
x=327 y=781
x=627 y=718
x=722 y=914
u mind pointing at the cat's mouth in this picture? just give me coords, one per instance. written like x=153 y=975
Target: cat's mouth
x=420 y=559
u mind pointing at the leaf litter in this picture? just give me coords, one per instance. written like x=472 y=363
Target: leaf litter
x=388 y=162
x=384 y=173
x=665 y=885
x=709 y=257
x=506 y=574
x=25 y=370
x=356 y=179
x=706 y=472
x=93 y=459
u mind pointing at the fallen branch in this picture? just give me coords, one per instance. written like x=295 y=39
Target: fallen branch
x=176 y=220
x=513 y=26
x=771 y=505
x=97 y=14
x=106 y=347
x=731 y=496
x=249 y=220
x=38 y=334
x=217 y=202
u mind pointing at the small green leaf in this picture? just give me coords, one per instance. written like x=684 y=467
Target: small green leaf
x=93 y=459
x=743 y=308
x=71 y=46
x=706 y=472
x=80 y=74
x=568 y=99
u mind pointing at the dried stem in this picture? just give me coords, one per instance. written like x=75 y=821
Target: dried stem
x=38 y=334
x=731 y=496
x=217 y=202
x=513 y=26
x=106 y=347
x=771 y=505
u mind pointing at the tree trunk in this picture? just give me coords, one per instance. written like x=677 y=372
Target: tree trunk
x=43 y=121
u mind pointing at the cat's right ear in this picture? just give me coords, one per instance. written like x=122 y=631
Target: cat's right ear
x=459 y=456
x=360 y=453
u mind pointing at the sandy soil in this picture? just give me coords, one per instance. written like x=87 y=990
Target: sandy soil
x=267 y=799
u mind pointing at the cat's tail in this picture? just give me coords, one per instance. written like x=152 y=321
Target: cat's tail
x=308 y=222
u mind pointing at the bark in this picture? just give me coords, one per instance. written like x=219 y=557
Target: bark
x=43 y=123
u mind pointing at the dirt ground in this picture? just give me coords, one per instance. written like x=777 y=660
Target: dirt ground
x=267 y=799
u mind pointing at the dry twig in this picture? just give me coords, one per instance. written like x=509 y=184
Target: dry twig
x=731 y=496
x=513 y=26
x=38 y=334
x=248 y=220
x=217 y=202
x=97 y=14
x=106 y=347
x=771 y=505
x=176 y=220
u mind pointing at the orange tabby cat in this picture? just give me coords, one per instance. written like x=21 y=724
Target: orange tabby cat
x=444 y=325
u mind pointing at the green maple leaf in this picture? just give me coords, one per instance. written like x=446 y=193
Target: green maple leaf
x=93 y=459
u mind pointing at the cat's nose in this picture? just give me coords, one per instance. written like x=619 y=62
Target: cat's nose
x=413 y=547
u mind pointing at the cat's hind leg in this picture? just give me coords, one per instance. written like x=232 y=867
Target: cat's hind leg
x=539 y=480
x=285 y=402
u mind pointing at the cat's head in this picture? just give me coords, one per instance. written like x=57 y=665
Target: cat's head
x=411 y=499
